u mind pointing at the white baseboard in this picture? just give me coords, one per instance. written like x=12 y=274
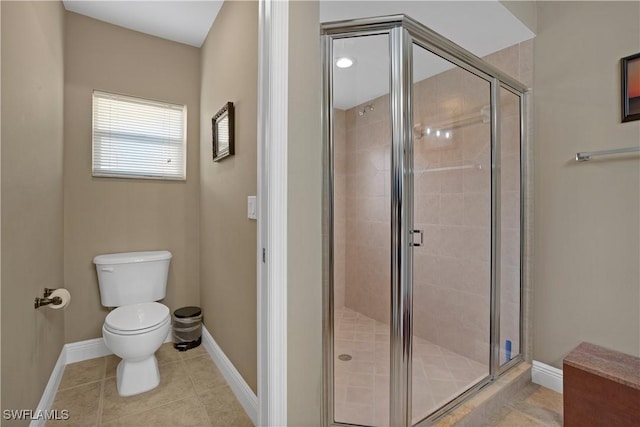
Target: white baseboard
x=91 y=349
x=546 y=376
x=49 y=394
x=94 y=348
x=85 y=350
x=239 y=386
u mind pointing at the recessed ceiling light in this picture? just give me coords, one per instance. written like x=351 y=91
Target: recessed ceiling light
x=344 y=62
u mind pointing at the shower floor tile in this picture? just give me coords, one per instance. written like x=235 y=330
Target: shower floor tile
x=362 y=383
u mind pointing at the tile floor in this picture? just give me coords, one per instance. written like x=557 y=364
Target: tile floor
x=533 y=406
x=362 y=383
x=192 y=392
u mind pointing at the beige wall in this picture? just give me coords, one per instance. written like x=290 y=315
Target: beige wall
x=32 y=193
x=228 y=237
x=525 y=11
x=304 y=339
x=587 y=219
x=104 y=215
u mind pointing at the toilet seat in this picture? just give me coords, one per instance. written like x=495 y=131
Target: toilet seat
x=136 y=319
x=136 y=331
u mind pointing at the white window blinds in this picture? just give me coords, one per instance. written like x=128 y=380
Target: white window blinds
x=138 y=138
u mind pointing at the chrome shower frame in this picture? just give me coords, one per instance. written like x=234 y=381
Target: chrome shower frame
x=403 y=33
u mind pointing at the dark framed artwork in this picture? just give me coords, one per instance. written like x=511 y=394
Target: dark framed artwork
x=223 y=132
x=631 y=88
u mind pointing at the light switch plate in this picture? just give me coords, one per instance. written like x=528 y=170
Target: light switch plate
x=251 y=207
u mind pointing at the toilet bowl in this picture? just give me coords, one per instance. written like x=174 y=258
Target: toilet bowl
x=134 y=333
x=132 y=282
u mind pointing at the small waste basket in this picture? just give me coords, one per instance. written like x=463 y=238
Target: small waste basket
x=187 y=328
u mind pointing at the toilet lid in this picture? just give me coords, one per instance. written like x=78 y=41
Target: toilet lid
x=135 y=317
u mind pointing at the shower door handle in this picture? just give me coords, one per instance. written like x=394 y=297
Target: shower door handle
x=421 y=232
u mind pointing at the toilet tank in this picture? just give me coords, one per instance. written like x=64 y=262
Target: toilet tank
x=132 y=277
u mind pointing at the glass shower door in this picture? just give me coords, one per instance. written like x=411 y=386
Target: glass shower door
x=361 y=268
x=510 y=223
x=452 y=214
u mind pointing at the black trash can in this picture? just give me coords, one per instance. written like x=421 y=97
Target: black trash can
x=187 y=328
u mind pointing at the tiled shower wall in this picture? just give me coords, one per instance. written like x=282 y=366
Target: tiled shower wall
x=452 y=269
x=368 y=144
x=339 y=207
x=453 y=207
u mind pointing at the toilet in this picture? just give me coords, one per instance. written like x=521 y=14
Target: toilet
x=132 y=282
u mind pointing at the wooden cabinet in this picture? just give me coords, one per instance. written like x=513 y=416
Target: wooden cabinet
x=601 y=388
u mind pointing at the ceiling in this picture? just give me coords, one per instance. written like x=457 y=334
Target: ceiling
x=482 y=27
x=185 y=22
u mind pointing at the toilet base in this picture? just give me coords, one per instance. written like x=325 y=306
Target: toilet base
x=135 y=377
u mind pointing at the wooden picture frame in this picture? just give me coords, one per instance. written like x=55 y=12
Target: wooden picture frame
x=223 y=125
x=631 y=88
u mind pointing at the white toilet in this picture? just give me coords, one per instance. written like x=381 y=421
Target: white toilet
x=132 y=282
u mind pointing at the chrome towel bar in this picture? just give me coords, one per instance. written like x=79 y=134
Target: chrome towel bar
x=586 y=155
x=451 y=168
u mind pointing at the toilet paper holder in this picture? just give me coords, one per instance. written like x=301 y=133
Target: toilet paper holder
x=39 y=302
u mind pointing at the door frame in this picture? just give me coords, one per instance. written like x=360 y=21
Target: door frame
x=271 y=253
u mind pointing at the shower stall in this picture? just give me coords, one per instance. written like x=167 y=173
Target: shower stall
x=423 y=222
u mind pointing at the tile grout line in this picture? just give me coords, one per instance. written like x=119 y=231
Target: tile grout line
x=517 y=404
x=146 y=409
x=193 y=385
x=78 y=385
x=101 y=398
x=101 y=403
x=526 y=415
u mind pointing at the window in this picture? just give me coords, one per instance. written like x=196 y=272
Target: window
x=138 y=138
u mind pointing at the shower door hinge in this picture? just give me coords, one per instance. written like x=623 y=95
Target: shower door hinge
x=414 y=232
x=264 y=255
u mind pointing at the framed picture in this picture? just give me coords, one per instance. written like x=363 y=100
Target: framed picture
x=223 y=132
x=631 y=88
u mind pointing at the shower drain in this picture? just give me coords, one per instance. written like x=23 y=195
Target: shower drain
x=345 y=357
